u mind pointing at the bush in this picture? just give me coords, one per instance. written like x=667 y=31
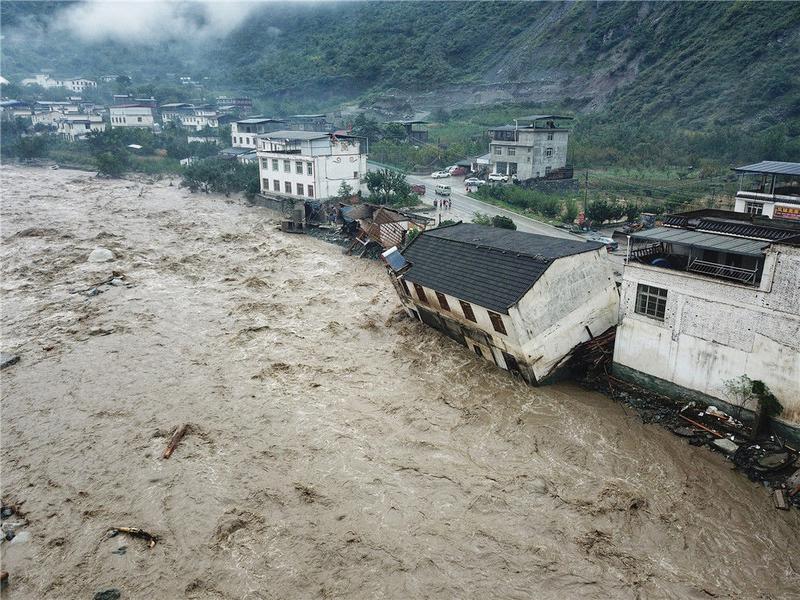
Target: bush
x=480 y=218
x=570 y=211
x=503 y=222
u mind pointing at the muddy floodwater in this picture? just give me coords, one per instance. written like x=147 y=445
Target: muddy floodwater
x=335 y=449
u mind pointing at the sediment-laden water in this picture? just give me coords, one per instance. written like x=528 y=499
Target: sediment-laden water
x=335 y=450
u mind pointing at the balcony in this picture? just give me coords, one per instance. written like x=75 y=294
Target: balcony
x=731 y=259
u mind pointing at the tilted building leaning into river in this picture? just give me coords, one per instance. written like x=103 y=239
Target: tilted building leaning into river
x=520 y=300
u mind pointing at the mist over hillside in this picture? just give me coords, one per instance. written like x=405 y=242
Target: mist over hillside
x=697 y=64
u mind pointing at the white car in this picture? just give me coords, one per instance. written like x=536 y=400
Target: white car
x=497 y=177
x=473 y=181
x=440 y=175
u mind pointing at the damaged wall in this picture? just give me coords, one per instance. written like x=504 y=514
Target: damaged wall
x=715 y=331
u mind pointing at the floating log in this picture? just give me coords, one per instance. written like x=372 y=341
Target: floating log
x=150 y=538
x=177 y=436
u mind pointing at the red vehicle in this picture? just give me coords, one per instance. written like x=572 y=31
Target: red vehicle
x=418 y=189
x=458 y=171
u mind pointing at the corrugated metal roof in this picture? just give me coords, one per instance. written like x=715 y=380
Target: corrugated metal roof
x=701 y=239
x=540 y=117
x=257 y=120
x=294 y=135
x=487 y=266
x=771 y=166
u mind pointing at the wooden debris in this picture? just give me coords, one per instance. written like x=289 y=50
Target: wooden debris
x=779 y=498
x=150 y=538
x=177 y=436
x=701 y=426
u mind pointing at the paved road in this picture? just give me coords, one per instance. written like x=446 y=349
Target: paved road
x=464 y=207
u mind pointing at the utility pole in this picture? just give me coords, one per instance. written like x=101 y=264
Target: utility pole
x=586 y=191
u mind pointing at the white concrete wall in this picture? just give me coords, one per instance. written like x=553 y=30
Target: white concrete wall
x=575 y=292
x=551 y=318
x=131 y=116
x=715 y=331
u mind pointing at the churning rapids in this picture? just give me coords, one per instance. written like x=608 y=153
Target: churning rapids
x=335 y=449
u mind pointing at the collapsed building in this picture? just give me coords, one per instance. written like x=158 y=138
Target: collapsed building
x=521 y=300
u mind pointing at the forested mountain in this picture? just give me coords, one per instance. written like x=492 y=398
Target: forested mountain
x=694 y=63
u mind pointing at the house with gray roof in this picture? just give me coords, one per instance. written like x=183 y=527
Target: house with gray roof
x=520 y=300
x=708 y=297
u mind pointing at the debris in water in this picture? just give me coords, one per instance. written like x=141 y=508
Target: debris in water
x=110 y=594
x=779 y=497
x=175 y=439
x=6 y=359
x=727 y=446
x=135 y=532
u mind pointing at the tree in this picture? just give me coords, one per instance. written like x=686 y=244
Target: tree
x=480 y=218
x=503 y=222
x=345 y=191
x=112 y=164
x=389 y=187
x=32 y=147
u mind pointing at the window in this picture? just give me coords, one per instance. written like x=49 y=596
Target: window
x=139 y=119
x=467 y=309
x=497 y=322
x=420 y=293
x=311 y=191
x=442 y=300
x=512 y=151
x=265 y=184
x=287 y=185
x=548 y=152
x=497 y=150
x=298 y=167
x=287 y=166
x=753 y=208
x=276 y=185
x=299 y=189
x=355 y=174
x=549 y=136
x=651 y=301
x=274 y=164
x=478 y=350
x=309 y=169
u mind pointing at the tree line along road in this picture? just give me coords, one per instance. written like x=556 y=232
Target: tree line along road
x=464 y=207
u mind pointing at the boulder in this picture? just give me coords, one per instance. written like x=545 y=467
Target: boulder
x=100 y=254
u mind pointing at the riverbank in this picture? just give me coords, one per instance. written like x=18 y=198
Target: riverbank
x=334 y=449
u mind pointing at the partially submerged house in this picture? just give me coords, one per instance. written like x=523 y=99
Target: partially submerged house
x=387 y=227
x=520 y=300
x=769 y=188
x=711 y=296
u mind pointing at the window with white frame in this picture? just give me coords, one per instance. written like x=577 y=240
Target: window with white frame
x=549 y=135
x=651 y=301
x=497 y=150
x=548 y=152
x=274 y=164
x=512 y=151
x=309 y=168
x=754 y=208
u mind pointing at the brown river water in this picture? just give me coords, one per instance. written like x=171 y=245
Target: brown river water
x=335 y=449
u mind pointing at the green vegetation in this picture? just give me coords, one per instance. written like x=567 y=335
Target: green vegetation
x=480 y=218
x=390 y=187
x=221 y=176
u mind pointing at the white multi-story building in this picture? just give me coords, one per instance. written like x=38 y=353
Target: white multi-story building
x=707 y=298
x=769 y=188
x=532 y=148
x=75 y=127
x=131 y=115
x=245 y=132
x=308 y=164
x=522 y=301
x=74 y=84
x=189 y=116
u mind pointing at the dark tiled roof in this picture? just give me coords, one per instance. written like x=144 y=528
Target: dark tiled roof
x=488 y=266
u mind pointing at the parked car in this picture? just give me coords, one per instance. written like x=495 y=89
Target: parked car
x=418 y=189
x=497 y=177
x=457 y=172
x=473 y=181
x=442 y=190
x=440 y=174
x=610 y=244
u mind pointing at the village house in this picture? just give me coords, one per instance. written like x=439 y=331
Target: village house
x=77 y=126
x=131 y=115
x=711 y=296
x=307 y=164
x=189 y=116
x=10 y=109
x=520 y=300
x=769 y=188
x=245 y=132
x=532 y=148
x=74 y=84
